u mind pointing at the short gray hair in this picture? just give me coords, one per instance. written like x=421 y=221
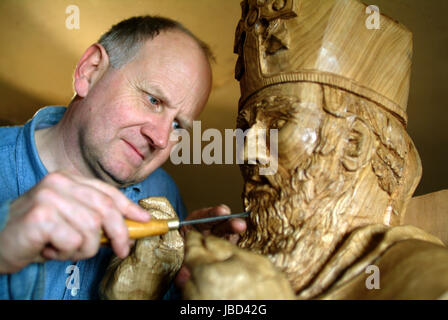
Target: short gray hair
x=124 y=39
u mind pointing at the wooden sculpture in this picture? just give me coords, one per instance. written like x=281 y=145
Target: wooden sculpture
x=154 y=261
x=337 y=93
x=430 y=213
x=258 y=275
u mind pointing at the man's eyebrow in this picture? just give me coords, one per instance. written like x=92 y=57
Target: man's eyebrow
x=157 y=92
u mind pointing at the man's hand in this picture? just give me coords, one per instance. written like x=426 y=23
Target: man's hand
x=62 y=217
x=228 y=229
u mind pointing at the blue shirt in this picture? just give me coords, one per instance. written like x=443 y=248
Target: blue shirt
x=21 y=169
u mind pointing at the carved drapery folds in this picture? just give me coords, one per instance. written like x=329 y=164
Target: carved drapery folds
x=152 y=264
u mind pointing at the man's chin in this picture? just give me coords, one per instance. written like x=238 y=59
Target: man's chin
x=118 y=178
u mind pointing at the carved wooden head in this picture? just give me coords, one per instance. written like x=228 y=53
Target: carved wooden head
x=337 y=93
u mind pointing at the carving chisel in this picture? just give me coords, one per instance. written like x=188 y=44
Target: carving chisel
x=156 y=227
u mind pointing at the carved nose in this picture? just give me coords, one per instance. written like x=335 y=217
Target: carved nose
x=255 y=146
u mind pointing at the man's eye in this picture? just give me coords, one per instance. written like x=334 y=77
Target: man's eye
x=153 y=101
x=176 y=125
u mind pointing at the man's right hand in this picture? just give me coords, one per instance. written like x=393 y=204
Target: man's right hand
x=62 y=217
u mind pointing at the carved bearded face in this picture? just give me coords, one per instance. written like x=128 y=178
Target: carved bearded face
x=267 y=196
x=339 y=157
x=302 y=208
x=283 y=202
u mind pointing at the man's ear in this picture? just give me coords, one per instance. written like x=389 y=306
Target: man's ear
x=361 y=145
x=94 y=62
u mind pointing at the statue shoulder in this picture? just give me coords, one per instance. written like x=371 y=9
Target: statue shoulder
x=409 y=269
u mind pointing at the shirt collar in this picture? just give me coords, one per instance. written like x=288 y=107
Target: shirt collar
x=44 y=118
x=30 y=169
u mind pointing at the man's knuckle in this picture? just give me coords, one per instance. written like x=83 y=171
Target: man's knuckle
x=74 y=242
x=37 y=215
x=121 y=233
x=35 y=237
x=109 y=203
x=87 y=251
x=96 y=222
x=108 y=207
x=46 y=194
x=54 y=178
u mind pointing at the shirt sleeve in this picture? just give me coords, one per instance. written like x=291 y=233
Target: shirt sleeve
x=26 y=284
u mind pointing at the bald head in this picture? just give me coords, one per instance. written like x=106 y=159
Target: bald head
x=124 y=39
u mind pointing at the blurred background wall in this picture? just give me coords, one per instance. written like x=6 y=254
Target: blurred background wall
x=39 y=53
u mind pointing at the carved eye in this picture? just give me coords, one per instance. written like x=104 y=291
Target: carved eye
x=242 y=121
x=279 y=5
x=278 y=124
x=353 y=144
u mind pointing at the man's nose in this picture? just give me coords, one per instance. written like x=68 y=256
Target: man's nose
x=158 y=132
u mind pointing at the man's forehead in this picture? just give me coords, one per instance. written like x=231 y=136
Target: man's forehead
x=172 y=68
x=171 y=39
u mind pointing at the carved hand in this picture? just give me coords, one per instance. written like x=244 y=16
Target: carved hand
x=221 y=270
x=229 y=229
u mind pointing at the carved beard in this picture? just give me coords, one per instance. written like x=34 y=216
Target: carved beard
x=298 y=221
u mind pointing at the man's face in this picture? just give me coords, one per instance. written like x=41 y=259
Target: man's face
x=129 y=113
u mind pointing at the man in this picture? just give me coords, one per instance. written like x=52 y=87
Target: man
x=145 y=78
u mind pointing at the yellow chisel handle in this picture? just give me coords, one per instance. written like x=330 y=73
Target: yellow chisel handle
x=154 y=227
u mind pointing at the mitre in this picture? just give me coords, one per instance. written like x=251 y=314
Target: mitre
x=324 y=41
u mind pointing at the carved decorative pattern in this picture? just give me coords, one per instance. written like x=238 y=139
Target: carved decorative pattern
x=265 y=20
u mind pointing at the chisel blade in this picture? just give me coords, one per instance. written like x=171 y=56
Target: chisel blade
x=213 y=219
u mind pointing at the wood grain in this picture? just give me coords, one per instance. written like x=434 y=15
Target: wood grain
x=336 y=92
x=430 y=212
